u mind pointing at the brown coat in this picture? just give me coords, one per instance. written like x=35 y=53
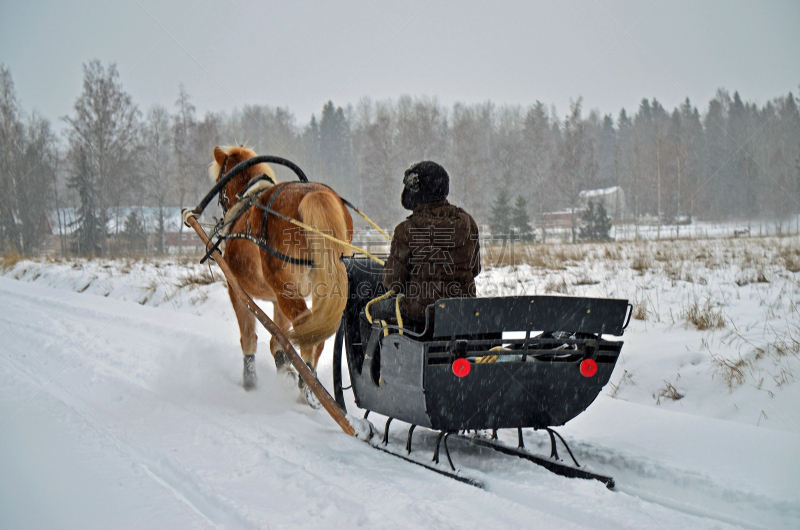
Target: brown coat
x=435 y=254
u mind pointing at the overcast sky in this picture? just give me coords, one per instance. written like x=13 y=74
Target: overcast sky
x=300 y=54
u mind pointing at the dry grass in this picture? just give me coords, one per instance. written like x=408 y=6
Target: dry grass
x=584 y=279
x=557 y=286
x=674 y=270
x=731 y=371
x=625 y=381
x=197 y=278
x=549 y=257
x=641 y=263
x=669 y=392
x=7 y=261
x=149 y=289
x=770 y=358
x=703 y=316
x=640 y=311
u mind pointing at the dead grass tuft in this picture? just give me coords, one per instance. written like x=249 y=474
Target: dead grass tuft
x=703 y=316
x=669 y=392
x=585 y=279
x=197 y=278
x=556 y=286
x=641 y=263
x=7 y=261
x=731 y=371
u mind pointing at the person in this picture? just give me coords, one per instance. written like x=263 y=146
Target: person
x=435 y=252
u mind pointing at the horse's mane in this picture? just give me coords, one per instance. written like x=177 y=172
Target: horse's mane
x=244 y=153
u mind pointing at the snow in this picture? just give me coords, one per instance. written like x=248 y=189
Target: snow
x=121 y=405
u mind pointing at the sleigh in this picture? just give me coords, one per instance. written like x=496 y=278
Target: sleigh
x=472 y=364
x=479 y=364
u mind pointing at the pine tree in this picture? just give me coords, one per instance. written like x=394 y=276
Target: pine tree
x=90 y=233
x=334 y=142
x=500 y=221
x=520 y=220
x=134 y=232
x=595 y=224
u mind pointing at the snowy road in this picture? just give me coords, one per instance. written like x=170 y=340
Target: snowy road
x=117 y=415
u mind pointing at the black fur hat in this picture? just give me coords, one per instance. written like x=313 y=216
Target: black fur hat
x=424 y=182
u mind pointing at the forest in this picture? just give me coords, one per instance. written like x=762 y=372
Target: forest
x=728 y=159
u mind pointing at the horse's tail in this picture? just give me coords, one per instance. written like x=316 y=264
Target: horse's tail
x=324 y=211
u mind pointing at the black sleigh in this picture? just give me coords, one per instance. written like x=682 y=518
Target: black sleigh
x=478 y=364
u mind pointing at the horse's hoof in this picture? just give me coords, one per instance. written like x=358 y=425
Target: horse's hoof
x=249 y=377
x=300 y=382
x=311 y=399
x=282 y=363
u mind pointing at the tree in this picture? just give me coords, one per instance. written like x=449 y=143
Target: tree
x=157 y=164
x=103 y=139
x=595 y=224
x=520 y=220
x=134 y=232
x=27 y=171
x=91 y=223
x=537 y=136
x=421 y=130
x=184 y=132
x=500 y=220
x=471 y=155
x=12 y=135
x=574 y=162
x=380 y=181
x=334 y=142
x=37 y=176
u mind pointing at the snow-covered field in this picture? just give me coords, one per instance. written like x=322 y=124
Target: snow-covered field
x=121 y=404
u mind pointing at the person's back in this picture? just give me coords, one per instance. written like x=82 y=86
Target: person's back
x=435 y=252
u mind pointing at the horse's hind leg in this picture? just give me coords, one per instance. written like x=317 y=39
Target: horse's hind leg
x=282 y=363
x=248 y=340
x=317 y=353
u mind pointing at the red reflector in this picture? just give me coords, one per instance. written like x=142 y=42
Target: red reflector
x=461 y=367
x=588 y=367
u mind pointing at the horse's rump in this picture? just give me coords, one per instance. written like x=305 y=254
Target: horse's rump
x=324 y=211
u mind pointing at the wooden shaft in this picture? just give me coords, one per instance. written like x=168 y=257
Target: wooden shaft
x=305 y=372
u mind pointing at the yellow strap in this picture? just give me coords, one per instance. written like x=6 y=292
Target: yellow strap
x=339 y=241
x=376 y=227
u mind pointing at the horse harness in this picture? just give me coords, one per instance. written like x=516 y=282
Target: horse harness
x=244 y=201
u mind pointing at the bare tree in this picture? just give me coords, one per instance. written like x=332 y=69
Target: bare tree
x=12 y=138
x=158 y=164
x=27 y=172
x=184 y=138
x=377 y=165
x=471 y=156
x=103 y=139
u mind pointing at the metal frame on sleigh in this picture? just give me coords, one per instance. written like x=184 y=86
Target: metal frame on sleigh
x=437 y=377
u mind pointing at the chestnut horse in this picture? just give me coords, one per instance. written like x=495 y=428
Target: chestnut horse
x=284 y=263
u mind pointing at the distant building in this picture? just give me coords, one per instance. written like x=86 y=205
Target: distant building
x=613 y=200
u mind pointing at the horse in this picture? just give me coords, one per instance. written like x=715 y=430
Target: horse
x=278 y=261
